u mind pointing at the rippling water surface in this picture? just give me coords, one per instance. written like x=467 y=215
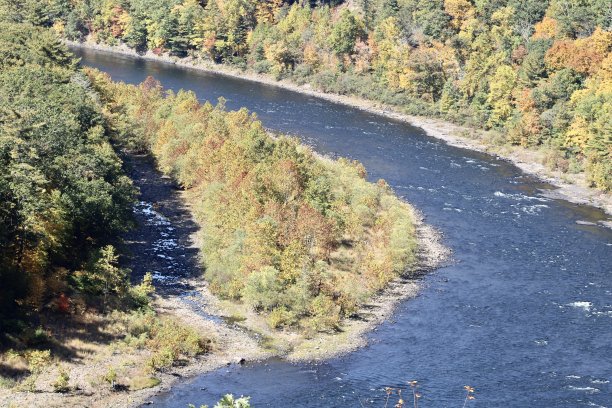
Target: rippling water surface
x=524 y=315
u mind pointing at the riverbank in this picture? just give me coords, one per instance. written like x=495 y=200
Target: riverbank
x=243 y=337
x=570 y=187
x=100 y=351
x=238 y=334
x=297 y=347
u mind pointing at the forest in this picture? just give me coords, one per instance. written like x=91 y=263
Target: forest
x=302 y=239
x=64 y=198
x=539 y=72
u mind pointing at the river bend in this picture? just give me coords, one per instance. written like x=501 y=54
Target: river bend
x=524 y=314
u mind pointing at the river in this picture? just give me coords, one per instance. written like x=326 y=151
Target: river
x=523 y=314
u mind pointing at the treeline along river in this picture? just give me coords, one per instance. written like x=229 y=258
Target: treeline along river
x=523 y=314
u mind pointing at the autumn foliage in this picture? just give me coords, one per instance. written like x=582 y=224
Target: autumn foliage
x=464 y=60
x=300 y=238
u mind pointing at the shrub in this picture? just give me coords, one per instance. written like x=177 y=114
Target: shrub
x=280 y=317
x=61 y=381
x=110 y=377
x=7 y=383
x=324 y=81
x=142 y=382
x=262 y=288
x=325 y=315
x=38 y=360
x=301 y=74
x=162 y=359
x=166 y=338
x=262 y=67
x=141 y=293
x=102 y=277
x=228 y=401
x=167 y=334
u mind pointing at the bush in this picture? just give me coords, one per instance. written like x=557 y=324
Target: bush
x=143 y=382
x=262 y=288
x=165 y=337
x=162 y=359
x=38 y=360
x=262 y=67
x=324 y=81
x=228 y=401
x=281 y=317
x=141 y=294
x=103 y=278
x=238 y=62
x=110 y=377
x=61 y=382
x=301 y=74
x=325 y=315
x=167 y=334
x=7 y=383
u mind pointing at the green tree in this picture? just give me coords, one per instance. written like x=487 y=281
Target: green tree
x=345 y=33
x=63 y=191
x=500 y=95
x=106 y=277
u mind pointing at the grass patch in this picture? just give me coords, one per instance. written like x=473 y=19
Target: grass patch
x=142 y=382
x=167 y=339
x=7 y=383
x=235 y=318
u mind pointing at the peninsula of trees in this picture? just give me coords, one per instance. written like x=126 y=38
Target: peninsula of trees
x=302 y=239
x=537 y=71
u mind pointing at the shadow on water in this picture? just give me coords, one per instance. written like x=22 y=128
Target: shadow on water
x=162 y=241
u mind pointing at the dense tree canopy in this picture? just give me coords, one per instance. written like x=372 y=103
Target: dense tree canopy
x=482 y=62
x=304 y=240
x=63 y=194
x=540 y=72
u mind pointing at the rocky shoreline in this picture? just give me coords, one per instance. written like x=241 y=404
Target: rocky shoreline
x=569 y=187
x=237 y=345
x=183 y=295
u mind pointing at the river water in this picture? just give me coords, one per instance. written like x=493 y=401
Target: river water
x=524 y=314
